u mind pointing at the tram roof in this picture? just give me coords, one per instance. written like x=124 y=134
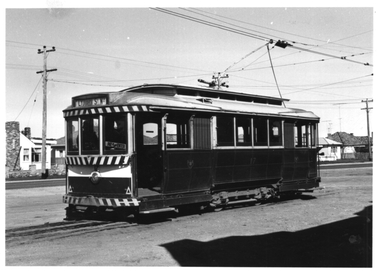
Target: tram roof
x=163 y=97
x=168 y=89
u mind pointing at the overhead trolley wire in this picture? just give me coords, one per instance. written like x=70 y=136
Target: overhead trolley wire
x=215 y=25
x=280 y=43
x=284 y=32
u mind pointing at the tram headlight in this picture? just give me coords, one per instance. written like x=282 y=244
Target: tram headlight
x=95 y=177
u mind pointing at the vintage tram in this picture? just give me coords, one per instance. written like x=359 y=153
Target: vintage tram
x=160 y=147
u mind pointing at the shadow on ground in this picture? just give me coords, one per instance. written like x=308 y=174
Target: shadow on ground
x=345 y=243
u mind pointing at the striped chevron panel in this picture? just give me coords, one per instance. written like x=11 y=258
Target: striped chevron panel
x=107 y=202
x=104 y=110
x=96 y=160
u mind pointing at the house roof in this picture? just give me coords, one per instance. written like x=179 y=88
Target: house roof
x=323 y=141
x=349 y=139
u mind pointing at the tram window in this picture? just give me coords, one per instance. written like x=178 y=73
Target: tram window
x=72 y=135
x=150 y=133
x=313 y=132
x=225 y=131
x=90 y=134
x=115 y=133
x=243 y=132
x=260 y=132
x=275 y=133
x=177 y=132
x=301 y=135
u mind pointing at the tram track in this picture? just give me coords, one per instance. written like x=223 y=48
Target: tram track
x=54 y=231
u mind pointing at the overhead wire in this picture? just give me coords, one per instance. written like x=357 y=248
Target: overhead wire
x=219 y=26
x=330 y=84
x=288 y=33
x=29 y=98
x=237 y=62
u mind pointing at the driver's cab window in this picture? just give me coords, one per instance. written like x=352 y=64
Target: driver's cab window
x=90 y=135
x=115 y=133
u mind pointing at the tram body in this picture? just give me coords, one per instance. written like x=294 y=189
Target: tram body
x=161 y=147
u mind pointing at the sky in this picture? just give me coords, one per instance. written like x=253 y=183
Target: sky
x=327 y=70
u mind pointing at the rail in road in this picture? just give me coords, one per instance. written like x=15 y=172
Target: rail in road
x=33 y=183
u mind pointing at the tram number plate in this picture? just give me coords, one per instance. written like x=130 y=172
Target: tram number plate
x=115 y=145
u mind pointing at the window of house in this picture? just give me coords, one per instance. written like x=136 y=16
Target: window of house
x=36 y=154
x=225 y=131
x=275 y=133
x=243 y=131
x=26 y=155
x=260 y=132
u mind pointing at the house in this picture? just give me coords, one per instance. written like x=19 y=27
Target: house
x=24 y=152
x=353 y=147
x=58 y=152
x=331 y=149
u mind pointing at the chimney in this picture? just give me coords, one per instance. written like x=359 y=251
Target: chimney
x=27 y=132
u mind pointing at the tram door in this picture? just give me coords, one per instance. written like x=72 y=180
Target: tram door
x=149 y=151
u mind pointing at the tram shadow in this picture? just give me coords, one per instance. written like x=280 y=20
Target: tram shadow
x=345 y=243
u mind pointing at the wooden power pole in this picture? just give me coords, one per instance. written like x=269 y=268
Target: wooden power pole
x=366 y=101
x=44 y=107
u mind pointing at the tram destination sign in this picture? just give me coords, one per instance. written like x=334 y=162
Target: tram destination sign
x=90 y=102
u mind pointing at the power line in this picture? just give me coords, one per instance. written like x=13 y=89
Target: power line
x=279 y=43
x=330 y=84
x=28 y=99
x=222 y=27
x=283 y=32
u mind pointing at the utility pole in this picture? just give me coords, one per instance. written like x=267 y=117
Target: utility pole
x=216 y=82
x=44 y=107
x=366 y=101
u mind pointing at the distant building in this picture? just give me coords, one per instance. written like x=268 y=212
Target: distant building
x=353 y=147
x=24 y=152
x=58 y=152
x=331 y=149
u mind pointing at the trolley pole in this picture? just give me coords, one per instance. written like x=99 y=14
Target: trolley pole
x=44 y=107
x=366 y=101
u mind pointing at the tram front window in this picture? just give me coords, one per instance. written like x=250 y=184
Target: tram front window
x=90 y=135
x=72 y=135
x=115 y=133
